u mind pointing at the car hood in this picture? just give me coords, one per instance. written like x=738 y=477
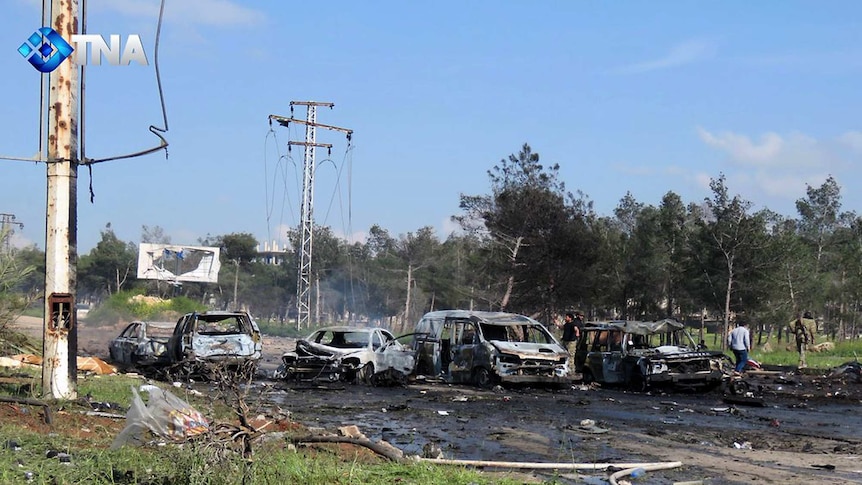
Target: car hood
x=304 y=347
x=529 y=349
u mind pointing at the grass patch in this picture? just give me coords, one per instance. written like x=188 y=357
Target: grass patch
x=844 y=351
x=76 y=449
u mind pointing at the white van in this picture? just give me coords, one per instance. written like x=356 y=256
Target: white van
x=488 y=347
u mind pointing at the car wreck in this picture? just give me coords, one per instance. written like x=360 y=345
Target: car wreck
x=641 y=354
x=351 y=354
x=484 y=348
x=197 y=344
x=142 y=344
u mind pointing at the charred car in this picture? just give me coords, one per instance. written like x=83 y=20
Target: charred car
x=142 y=344
x=197 y=342
x=484 y=348
x=353 y=354
x=640 y=355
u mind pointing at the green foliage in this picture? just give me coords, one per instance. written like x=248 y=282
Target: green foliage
x=200 y=461
x=269 y=327
x=131 y=305
x=14 y=272
x=108 y=267
x=845 y=351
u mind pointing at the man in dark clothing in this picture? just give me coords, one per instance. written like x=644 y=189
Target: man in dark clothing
x=579 y=324
x=571 y=331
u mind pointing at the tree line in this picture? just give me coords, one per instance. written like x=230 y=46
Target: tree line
x=530 y=246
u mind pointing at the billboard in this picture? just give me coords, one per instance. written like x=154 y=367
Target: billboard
x=172 y=262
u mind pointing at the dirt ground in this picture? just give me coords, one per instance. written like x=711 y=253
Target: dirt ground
x=807 y=431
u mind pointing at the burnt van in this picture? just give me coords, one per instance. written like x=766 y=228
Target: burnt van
x=485 y=348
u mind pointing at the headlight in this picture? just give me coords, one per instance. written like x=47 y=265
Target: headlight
x=509 y=359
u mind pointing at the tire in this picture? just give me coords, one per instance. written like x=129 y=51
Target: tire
x=364 y=374
x=483 y=378
x=587 y=376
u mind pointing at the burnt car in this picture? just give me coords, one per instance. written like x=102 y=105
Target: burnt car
x=353 y=354
x=142 y=344
x=641 y=354
x=196 y=343
x=223 y=337
x=484 y=348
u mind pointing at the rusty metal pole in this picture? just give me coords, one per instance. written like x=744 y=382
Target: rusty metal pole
x=60 y=333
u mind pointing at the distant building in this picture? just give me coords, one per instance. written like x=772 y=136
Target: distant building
x=271 y=253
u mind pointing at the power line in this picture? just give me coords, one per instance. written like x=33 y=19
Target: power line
x=303 y=286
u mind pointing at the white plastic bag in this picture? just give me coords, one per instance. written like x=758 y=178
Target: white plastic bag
x=164 y=414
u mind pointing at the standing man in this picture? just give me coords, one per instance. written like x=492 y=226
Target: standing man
x=739 y=341
x=571 y=332
x=804 y=328
x=579 y=324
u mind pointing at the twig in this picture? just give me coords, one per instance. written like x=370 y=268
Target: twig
x=382 y=450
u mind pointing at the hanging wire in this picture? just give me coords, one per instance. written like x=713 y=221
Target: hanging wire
x=163 y=143
x=280 y=168
x=350 y=221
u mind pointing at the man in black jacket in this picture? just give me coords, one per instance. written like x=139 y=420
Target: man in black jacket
x=571 y=331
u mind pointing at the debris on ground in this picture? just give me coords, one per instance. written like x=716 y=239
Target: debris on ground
x=164 y=414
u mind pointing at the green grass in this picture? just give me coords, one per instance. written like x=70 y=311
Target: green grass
x=779 y=356
x=195 y=462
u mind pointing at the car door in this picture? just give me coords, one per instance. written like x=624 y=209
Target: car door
x=612 y=358
x=123 y=347
x=604 y=358
x=464 y=345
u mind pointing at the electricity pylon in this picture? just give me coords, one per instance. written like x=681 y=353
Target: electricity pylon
x=303 y=280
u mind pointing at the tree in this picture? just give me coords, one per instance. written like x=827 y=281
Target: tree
x=14 y=272
x=825 y=230
x=675 y=230
x=238 y=249
x=154 y=235
x=525 y=219
x=107 y=267
x=727 y=233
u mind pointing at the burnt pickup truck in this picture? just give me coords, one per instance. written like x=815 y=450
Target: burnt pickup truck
x=196 y=342
x=642 y=354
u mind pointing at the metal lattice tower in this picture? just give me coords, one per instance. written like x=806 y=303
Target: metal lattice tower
x=304 y=273
x=8 y=220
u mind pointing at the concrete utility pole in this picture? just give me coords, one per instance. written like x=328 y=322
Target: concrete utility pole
x=303 y=280
x=7 y=220
x=60 y=332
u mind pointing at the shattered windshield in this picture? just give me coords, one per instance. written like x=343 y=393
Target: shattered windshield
x=679 y=338
x=517 y=333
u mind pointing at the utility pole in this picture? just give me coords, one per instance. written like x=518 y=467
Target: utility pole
x=60 y=332
x=303 y=280
x=7 y=220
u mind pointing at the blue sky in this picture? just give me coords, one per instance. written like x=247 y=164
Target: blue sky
x=640 y=97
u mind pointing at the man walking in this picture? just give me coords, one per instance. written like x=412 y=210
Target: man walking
x=804 y=328
x=739 y=341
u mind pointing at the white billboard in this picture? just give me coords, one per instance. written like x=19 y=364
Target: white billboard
x=172 y=262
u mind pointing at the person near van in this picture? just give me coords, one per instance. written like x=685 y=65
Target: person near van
x=571 y=332
x=579 y=323
x=804 y=328
x=739 y=341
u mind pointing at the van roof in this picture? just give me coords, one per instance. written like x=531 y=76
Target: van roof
x=493 y=318
x=639 y=327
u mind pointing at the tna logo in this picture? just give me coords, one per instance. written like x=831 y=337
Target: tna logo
x=46 y=49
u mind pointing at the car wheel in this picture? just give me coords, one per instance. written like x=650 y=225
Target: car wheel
x=588 y=376
x=364 y=374
x=482 y=377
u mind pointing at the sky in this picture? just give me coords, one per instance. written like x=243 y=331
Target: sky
x=626 y=96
